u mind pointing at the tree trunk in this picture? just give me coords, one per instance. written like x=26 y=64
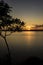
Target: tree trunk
x=9 y=55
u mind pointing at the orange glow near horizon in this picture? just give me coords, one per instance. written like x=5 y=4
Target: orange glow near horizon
x=29 y=27
x=33 y=27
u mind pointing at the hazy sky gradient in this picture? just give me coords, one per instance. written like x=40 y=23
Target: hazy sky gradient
x=30 y=11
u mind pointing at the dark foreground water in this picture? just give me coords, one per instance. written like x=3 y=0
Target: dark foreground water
x=22 y=45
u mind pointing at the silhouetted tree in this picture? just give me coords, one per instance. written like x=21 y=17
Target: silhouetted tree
x=18 y=24
x=5 y=21
x=22 y=23
x=5 y=18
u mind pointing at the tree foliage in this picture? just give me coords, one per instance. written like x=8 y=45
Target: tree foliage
x=6 y=19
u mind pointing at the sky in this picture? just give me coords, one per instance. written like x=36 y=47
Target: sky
x=29 y=11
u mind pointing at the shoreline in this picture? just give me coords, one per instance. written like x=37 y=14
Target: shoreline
x=20 y=30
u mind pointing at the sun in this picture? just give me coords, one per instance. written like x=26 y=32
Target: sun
x=28 y=27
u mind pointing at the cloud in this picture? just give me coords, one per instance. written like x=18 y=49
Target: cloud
x=37 y=27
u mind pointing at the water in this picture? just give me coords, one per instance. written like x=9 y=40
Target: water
x=23 y=45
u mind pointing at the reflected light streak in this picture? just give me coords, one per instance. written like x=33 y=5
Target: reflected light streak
x=30 y=38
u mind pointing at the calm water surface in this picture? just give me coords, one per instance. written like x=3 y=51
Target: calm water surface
x=22 y=45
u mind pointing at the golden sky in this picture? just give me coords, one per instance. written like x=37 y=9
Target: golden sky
x=29 y=11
